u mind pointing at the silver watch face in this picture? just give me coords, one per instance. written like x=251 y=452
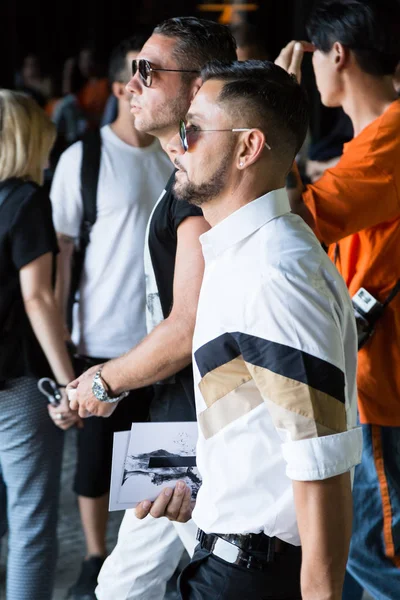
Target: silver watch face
x=98 y=388
x=100 y=392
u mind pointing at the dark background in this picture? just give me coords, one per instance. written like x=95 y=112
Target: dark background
x=57 y=30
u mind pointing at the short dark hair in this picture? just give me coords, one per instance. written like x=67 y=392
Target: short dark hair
x=265 y=96
x=247 y=34
x=369 y=28
x=117 y=64
x=198 y=41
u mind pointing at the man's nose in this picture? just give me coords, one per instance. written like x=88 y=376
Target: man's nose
x=133 y=86
x=174 y=146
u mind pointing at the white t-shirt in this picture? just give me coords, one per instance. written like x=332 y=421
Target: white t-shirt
x=110 y=316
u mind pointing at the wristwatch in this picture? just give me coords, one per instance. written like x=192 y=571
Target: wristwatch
x=99 y=390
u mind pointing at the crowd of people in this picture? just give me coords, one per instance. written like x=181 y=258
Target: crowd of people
x=185 y=262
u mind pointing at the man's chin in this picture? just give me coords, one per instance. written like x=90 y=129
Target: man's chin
x=179 y=190
x=140 y=124
x=182 y=192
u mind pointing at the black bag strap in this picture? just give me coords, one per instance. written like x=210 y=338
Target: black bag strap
x=90 y=169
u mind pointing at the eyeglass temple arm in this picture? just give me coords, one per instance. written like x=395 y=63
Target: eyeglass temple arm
x=248 y=129
x=177 y=70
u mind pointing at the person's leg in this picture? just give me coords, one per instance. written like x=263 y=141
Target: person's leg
x=374 y=559
x=92 y=482
x=3 y=506
x=145 y=557
x=3 y=511
x=94 y=518
x=31 y=456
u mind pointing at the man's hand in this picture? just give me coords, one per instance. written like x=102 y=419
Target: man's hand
x=315 y=168
x=175 y=504
x=62 y=416
x=81 y=397
x=291 y=57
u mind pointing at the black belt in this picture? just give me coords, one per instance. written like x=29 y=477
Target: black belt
x=237 y=548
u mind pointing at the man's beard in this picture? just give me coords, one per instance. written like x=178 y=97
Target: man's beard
x=204 y=192
x=167 y=114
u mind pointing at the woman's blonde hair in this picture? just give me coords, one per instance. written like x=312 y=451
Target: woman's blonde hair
x=26 y=137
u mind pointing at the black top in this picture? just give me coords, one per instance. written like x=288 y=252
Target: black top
x=174 y=400
x=26 y=233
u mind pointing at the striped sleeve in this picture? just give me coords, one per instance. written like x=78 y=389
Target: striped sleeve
x=289 y=356
x=305 y=396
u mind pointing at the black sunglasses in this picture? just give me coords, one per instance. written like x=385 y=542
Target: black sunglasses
x=145 y=70
x=189 y=135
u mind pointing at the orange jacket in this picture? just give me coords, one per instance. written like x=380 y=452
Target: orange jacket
x=357 y=204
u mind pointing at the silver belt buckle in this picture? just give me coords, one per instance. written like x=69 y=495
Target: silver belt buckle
x=225 y=550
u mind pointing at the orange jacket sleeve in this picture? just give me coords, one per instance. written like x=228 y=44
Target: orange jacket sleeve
x=347 y=200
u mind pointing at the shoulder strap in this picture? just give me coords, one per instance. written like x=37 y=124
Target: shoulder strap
x=90 y=168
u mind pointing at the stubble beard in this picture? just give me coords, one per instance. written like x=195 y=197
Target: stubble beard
x=204 y=192
x=168 y=114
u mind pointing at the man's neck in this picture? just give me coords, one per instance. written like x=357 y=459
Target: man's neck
x=236 y=197
x=366 y=99
x=124 y=128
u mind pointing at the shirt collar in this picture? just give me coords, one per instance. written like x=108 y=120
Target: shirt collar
x=244 y=221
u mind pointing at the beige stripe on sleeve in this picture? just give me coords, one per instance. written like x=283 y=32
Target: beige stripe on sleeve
x=234 y=405
x=218 y=383
x=287 y=398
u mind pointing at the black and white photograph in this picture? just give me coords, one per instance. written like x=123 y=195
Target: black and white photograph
x=120 y=447
x=158 y=455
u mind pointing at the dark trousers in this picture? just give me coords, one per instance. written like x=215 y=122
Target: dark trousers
x=208 y=577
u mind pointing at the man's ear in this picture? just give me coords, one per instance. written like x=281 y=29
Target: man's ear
x=251 y=148
x=118 y=89
x=341 y=55
x=196 y=85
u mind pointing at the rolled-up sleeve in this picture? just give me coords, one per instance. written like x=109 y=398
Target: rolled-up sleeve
x=320 y=458
x=306 y=379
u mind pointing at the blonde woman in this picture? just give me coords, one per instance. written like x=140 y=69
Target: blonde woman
x=31 y=346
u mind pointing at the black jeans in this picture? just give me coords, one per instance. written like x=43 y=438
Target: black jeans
x=208 y=577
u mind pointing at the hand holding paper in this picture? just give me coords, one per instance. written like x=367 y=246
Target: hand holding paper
x=151 y=460
x=175 y=504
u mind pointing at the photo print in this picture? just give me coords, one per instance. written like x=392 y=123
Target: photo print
x=158 y=455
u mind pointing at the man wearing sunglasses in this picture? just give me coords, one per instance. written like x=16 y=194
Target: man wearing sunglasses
x=274 y=355
x=165 y=79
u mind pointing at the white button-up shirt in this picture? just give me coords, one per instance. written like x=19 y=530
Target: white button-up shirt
x=275 y=356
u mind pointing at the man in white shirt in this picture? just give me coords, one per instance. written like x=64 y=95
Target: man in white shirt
x=274 y=355
x=109 y=318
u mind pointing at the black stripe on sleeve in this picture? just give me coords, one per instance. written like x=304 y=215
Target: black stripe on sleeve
x=292 y=363
x=278 y=358
x=216 y=353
